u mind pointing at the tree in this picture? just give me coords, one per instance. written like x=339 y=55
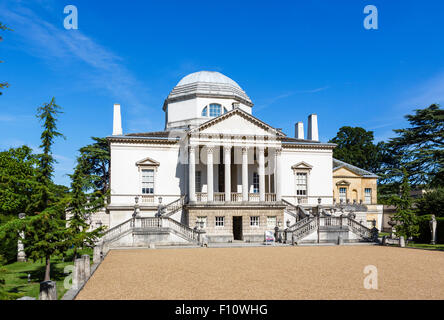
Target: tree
x=408 y=224
x=94 y=162
x=3 y=84
x=432 y=203
x=18 y=169
x=81 y=206
x=420 y=148
x=355 y=146
x=45 y=228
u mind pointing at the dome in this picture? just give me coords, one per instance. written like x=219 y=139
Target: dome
x=208 y=83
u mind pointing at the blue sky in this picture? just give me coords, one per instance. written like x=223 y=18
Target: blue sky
x=292 y=58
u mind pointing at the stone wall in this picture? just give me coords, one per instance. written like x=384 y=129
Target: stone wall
x=225 y=233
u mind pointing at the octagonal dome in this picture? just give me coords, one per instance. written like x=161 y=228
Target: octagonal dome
x=208 y=84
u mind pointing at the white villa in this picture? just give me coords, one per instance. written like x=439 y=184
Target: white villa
x=219 y=174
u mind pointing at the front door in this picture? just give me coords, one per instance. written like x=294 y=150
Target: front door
x=237 y=228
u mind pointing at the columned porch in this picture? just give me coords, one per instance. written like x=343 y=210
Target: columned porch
x=234 y=174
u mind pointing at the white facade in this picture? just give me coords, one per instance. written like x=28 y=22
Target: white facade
x=224 y=158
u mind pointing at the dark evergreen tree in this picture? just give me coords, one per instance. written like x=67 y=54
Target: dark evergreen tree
x=355 y=146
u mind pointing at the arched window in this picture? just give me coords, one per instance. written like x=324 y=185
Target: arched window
x=215 y=110
x=205 y=112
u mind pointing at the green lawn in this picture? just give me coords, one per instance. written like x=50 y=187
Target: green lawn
x=381 y=234
x=426 y=246
x=16 y=275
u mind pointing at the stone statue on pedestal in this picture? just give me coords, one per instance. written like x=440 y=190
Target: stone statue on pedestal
x=21 y=255
x=433 y=224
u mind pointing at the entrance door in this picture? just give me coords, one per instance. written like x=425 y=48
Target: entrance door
x=237 y=228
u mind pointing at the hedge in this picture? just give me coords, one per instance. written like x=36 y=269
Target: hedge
x=424 y=229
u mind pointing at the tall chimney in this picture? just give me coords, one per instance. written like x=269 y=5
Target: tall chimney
x=117 y=121
x=312 y=131
x=299 y=130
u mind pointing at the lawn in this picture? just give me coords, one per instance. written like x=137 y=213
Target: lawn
x=16 y=275
x=426 y=246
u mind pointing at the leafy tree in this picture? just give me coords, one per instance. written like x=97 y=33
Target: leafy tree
x=355 y=146
x=45 y=228
x=82 y=205
x=408 y=224
x=18 y=169
x=432 y=203
x=3 y=84
x=94 y=163
x=420 y=148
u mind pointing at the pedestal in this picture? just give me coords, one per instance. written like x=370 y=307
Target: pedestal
x=48 y=290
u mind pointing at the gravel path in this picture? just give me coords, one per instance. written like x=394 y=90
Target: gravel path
x=323 y=272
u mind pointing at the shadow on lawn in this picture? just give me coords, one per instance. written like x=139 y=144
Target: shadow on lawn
x=38 y=274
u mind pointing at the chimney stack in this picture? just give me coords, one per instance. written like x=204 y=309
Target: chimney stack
x=312 y=131
x=117 y=121
x=299 y=130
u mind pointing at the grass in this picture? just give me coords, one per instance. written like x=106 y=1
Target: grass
x=381 y=234
x=426 y=246
x=16 y=275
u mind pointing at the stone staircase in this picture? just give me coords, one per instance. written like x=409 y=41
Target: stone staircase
x=322 y=229
x=143 y=231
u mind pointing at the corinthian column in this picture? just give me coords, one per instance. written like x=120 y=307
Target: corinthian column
x=227 y=162
x=192 y=175
x=278 y=175
x=210 y=196
x=245 y=174
x=261 y=173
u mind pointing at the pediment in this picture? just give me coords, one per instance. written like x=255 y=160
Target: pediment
x=147 y=162
x=345 y=172
x=302 y=165
x=237 y=122
x=343 y=183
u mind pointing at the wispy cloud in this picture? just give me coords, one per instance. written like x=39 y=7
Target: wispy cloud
x=53 y=43
x=273 y=100
x=425 y=94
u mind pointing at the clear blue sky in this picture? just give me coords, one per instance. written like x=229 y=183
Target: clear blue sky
x=292 y=58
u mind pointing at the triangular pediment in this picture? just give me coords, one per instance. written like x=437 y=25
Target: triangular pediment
x=343 y=183
x=147 y=162
x=302 y=165
x=237 y=122
x=346 y=172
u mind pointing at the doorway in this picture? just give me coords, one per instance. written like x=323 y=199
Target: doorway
x=237 y=228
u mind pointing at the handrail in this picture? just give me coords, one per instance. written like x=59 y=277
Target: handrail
x=298 y=224
x=174 y=206
x=114 y=231
x=309 y=226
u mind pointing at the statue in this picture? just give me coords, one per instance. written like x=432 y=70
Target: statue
x=432 y=224
x=21 y=255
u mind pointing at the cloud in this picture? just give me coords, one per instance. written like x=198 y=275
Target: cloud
x=51 y=42
x=427 y=93
x=273 y=100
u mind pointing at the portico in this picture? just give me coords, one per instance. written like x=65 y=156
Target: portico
x=247 y=180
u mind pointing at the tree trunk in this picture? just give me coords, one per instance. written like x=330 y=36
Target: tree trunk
x=48 y=269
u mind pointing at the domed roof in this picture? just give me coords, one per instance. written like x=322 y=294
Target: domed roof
x=208 y=83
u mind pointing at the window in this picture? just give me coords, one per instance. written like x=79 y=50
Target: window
x=202 y=222
x=255 y=182
x=301 y=184
x=271 y=222
x=368 y=195
x=205 y=112
x=198 y=181
x=343 y=194
x=225 y=110
x=220 y=221
x=215 y=110
x=147 y=181
x=254 y=221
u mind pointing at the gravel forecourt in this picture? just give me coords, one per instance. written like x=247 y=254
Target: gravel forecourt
x=310 y=272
